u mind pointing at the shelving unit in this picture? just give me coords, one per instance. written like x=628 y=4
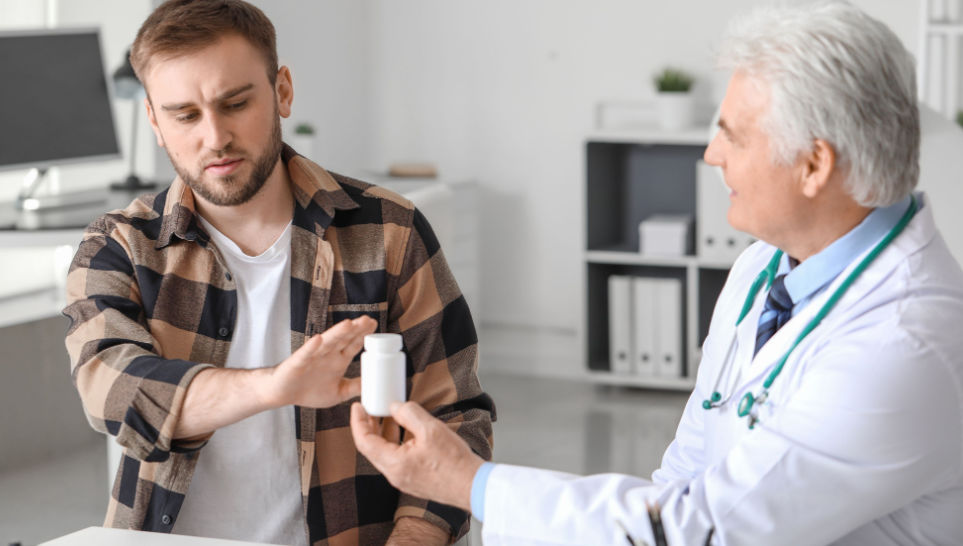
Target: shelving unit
x=940 y=53
x=631 y=175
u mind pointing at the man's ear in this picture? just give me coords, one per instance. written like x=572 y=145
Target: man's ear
x=284 y=91
x=818 y=166
x=153 y=122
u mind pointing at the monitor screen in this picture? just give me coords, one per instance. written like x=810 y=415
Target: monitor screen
x=54 y=100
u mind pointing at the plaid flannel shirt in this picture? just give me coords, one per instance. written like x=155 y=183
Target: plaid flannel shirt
x=151 y=304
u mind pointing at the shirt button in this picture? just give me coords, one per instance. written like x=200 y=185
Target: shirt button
x=227 y=275
x=223 y=332
x=166 y=520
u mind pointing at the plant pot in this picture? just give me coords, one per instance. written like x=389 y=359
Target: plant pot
x=303 y=144
x=675 y=110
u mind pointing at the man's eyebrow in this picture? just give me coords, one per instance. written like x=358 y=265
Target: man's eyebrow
x=223 y=96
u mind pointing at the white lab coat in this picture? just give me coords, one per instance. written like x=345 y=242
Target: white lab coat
x=861 y=441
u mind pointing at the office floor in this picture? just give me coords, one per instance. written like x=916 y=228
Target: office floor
x=557 y=424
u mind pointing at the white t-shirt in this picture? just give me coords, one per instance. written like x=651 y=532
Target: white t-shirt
x=247 y=485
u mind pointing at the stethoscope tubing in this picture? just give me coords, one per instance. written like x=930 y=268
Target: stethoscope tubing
x=767 y=275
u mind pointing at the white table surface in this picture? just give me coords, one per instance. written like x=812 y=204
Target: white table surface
x=100 y=536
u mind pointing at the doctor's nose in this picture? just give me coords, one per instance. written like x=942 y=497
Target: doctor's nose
x=713 y=154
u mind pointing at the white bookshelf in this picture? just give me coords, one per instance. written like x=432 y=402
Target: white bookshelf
x=631 y=174
x=939 y=56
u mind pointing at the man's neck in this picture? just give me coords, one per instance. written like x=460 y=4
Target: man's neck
x=824 y=225
x=255 y=225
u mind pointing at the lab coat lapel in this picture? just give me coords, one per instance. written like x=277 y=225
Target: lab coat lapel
x=746 y=333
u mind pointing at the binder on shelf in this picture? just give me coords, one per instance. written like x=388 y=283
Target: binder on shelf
x=669 y=327
x=620 y=324
x=715 y=238
x=645 y=307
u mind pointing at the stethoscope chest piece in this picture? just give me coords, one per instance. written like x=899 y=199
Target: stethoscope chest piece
x=745 y=405
x=747 y=402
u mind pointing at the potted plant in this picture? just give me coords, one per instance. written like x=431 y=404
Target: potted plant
x=303 y=139
x=674 y=103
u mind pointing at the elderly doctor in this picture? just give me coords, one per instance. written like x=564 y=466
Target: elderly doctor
x=828 y=406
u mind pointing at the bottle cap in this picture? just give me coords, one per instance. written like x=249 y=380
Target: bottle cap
x=382 y=343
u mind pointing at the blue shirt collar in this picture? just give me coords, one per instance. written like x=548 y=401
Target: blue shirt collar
x=808 y=278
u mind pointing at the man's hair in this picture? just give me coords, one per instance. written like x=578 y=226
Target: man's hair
x=838 y=75
x=178 y=27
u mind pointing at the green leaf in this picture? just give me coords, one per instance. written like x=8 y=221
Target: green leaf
x=672 y=80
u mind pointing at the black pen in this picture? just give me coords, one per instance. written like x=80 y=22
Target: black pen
x=655 y=519
x=628 y=537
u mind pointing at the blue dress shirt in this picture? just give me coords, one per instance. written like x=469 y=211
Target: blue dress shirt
x=807 y=280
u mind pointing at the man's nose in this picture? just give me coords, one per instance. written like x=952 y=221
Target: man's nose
x=217 y=133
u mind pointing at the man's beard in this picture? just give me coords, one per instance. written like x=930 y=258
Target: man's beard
x=227 y=193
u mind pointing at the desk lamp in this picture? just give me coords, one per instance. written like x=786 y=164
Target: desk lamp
x=127 y=86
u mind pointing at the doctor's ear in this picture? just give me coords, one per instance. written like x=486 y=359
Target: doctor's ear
x=818 y=166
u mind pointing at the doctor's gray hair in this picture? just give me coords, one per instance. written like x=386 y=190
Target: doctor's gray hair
x=835 y=74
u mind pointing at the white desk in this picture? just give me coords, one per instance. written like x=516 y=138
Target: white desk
x=39 y=245
x=99 y=536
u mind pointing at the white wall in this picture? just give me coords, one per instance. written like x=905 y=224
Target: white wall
x=503 y=92
x=326 y=46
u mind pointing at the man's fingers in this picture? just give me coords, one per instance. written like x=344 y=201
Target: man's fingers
x=349 y=388
x=339 y=335
x=347 y=336
x=313 y=343
x=305 y=352
x=362 y=326
x=354 y=346
x=366 y=323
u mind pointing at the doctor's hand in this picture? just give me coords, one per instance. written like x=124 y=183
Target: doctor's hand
x=433 y=463
x=313 y=376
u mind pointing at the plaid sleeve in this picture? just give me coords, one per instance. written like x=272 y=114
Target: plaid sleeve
x=126 y=388
x=433 y=318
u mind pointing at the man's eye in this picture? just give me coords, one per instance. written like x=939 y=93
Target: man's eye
x=184 y=118
x=237 y=105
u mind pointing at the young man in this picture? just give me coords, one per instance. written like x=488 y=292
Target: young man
x=827 y=406
x=214 y=325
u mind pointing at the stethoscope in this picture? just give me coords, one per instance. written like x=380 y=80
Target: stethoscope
x=749 y=401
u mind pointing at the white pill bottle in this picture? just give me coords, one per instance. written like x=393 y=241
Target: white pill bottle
x=382 y=373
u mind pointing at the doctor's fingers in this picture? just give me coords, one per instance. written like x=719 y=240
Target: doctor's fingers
x=367 y=436
x=414 y=419
x=398 y=463
x=390 y=430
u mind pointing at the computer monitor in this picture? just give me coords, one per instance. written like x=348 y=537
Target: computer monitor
x=55 y=103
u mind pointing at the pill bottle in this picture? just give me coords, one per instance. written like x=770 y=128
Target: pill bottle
x=382 y=373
